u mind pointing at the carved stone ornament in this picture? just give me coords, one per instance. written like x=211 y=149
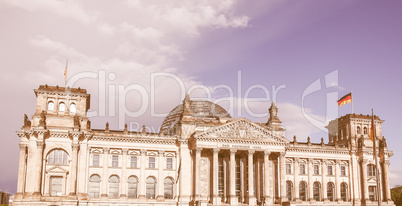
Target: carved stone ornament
x=40 y=144
x=42 y=119
x=143 y=152
x=27 y=123
x=76 y=121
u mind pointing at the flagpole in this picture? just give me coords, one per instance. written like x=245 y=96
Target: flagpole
x=376 y=160
x=351 y=95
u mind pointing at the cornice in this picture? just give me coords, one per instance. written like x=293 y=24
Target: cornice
x=136 y=140
x=239 y=141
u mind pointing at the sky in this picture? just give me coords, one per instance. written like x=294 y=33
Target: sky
x=138 y=58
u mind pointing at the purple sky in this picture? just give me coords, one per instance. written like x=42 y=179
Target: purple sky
x=271 y=43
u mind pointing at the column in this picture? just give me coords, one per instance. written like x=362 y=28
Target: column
x=83 y=164
x=355 y=179
x=267 y=196
x=251 y=196
x=74 y=163
x=21 y=169
x=296 y=180
x=233 y=198
x=310 y=180
x=160 y=176
x=337 y=183
x=124 y=178
x=197 y=174
x=142 y=174
x=215 y=174
x=364 y=180
x=226 y=179
x=39 y=160
x=282 y=169
x=31 y=166
x=105 y=176
x=386 y=181
x=324 y=182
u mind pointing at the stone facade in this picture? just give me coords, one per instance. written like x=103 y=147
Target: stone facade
x=201 y=156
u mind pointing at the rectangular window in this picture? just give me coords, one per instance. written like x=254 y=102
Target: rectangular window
x=151 y=162
x=343 y=170
x=288 y=168
x=302 y=169
x=115 y=161
x=95 y=160
x=133 y=162
x=316 y=169
x=330 y=172
x=372 y=193
x=220 y=177
x=169 y=163
x=56 y=185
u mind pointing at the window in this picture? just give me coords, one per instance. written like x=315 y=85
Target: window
x=302 y=169
x=62 y=107
x=330 y=172
x=168 y=188
x=133 y=162
x=330 y=191
x=115 y=160
x=113 y=187
x=132 y=187
x=73 y=108
x=372 y=193
x=56 y=185
x=151 y=162
x=302 y=191
x=316 y=191
x=288 y=168
x=289 y=189
x=365 y=130
x=371 y=170
x=220 y=177
x=344 y=190
x=151 y=185
x=358 y=130
x=316 y=169
x=94 y=186
x=50 y=106
x=95 y=160
x=169 y=163
x=343 y=170
x=57 y=157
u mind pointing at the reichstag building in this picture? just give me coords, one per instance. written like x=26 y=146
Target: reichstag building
x=201 y=156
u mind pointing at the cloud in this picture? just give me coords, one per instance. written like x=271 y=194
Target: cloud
x=70 y=9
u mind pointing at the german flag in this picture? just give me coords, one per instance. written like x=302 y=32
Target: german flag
x=345 y=99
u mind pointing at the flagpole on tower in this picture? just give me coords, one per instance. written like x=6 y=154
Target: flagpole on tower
x=352 y=102
x=65 y=74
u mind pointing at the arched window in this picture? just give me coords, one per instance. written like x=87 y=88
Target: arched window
x=365 y=130
x=316 y=191
x=57 y=157
x=344 y=191
x=73 y=108
x=94 y=186
x=151 y=185
x=358 y=130
x=168 y=188
x=113 y=187
x=132 y=187
x=62 y=107
x=330 y=191
x=56 y=186
x=302 y=191
x=50 y=106
x=289 y=189
x=371 y=170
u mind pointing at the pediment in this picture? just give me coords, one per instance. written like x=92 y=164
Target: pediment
x=241 y=129
x=57 y=170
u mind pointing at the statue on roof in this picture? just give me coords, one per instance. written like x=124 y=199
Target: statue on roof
x=42 y=119
x=27 y=122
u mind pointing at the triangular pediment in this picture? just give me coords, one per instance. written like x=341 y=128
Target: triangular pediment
x=57 y=170
x=241 y=129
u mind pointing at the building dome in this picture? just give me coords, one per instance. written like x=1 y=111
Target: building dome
x=201 y=109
